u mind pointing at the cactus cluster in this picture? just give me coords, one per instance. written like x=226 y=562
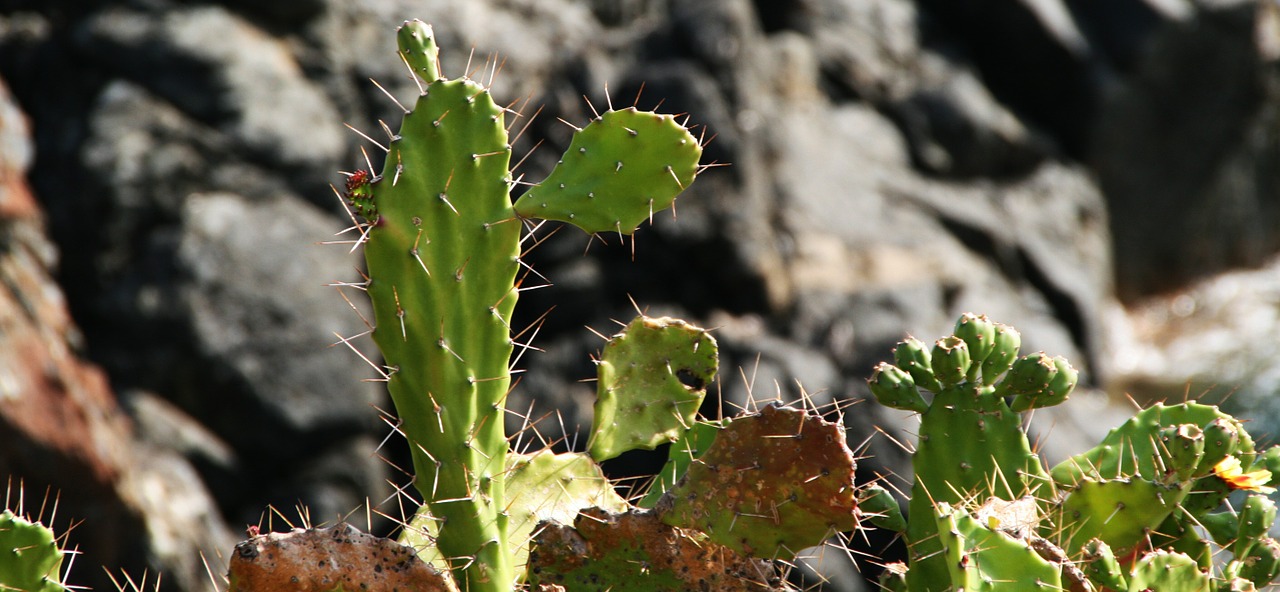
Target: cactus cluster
x=442 y=244
x=1142 y=510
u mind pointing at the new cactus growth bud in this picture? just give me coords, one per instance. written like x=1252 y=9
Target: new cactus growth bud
x=1183 y=446
x=912 y=356
x=950 y=360
x=1029 y=375
x=1062 y=381
x=1004 y=351
x=808 y=496
x=877 y=506
x=1221 y=439
x=418 y=49
x=979 y=334
x=652 y=378
x=894 y=387
x=894 y=577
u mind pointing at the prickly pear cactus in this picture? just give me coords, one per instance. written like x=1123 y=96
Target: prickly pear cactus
x=617 y=172
x=1130 y=514
x=442 y=242
x=330 y=559
x=972 y=445
x=30 y=557
x=542 y=486
x=771 y=485
x=637 y=552
x=652 y=378
x=979 y=557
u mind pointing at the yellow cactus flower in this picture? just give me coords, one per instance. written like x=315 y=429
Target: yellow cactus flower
x=1229 y=470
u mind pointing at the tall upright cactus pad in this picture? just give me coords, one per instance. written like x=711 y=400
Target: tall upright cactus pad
x=636 y=552
x=442 y=258
x=652 y=378
x=618 y=171
x=771 y=485
x=30 y=557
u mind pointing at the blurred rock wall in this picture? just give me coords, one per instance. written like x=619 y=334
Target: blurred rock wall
x=1077 y=169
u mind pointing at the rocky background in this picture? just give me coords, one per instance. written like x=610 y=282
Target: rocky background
x=1104 y=175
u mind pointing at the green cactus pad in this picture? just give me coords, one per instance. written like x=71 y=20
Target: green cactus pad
x=554 y=487
x=636 y=552
x=621 y=169
x=442 y=262
x=540 y=486
x=1120 y=512
x=1261 y=565
x=1257 y=515
x=1167 y=572
x=971 y=447
x=691 y=445
x=334 y=559
x=1134 y=449
x=982 y=559
x=772 y=484
x=30 y=558
x=652 y=378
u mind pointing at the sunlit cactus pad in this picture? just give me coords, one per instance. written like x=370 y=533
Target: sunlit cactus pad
x=635 y=552
x=338 y=558
x=618 y=171
x=772 y=484
x=652 y=378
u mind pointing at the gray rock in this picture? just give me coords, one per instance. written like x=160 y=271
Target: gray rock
x=1185 y=155
x=261 y=321
x=227 y=73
